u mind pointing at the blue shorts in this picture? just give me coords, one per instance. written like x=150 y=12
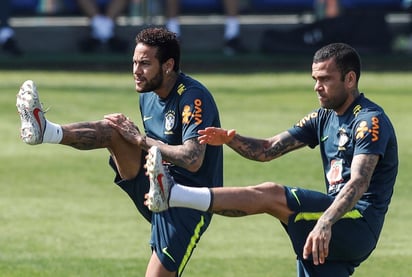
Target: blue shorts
x=353 y=237
x=175 y=232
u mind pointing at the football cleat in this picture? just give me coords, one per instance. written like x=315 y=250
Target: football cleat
x=31 y=113
x=160 y=181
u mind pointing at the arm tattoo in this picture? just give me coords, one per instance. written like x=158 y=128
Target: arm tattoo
x=265 y=149
x=196 y=150
x=191 y=153
x=362 y=170
x=246 y=147
x=283 y=144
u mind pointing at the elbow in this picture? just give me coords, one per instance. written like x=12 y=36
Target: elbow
x=194 y=166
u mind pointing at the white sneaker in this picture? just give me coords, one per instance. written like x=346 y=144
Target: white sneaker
x=31 y=114
x=160 y=181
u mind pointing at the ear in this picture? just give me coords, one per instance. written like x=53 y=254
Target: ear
x=168 y=66
x=350 y=79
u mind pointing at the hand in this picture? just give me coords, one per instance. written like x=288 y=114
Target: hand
x=215 y=136
x=126 y=128
x=317 y=243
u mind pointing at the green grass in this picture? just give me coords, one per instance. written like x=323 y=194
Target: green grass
x=61 y=215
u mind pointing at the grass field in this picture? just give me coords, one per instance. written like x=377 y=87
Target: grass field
x=61 y=215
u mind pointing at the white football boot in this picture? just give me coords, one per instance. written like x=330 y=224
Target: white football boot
x=31 y=113
x=160 y=181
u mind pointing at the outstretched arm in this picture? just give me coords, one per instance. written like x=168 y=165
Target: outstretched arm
x=251 y=148
x=317 y=243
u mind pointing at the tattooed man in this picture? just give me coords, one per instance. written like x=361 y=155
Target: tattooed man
x=173 y=107
x=332 y=232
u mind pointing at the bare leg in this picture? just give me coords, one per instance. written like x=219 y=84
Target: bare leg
x=327 y=9
x=156 y=269
x=231 y=36
x=267 y=197
x=98 y=134
x=240 y=201
x=332 y=8
x=116 y=7
x=88 y=7
x=172 y=8
x=231 y=7
x=172 y=14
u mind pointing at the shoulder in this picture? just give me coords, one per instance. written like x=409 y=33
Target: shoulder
x=191 y=90
x=313 y=116
x=187 y=84
x=365 y=106
x=368 y=110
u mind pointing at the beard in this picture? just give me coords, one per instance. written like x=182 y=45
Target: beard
x=333 y=101
x=152 y=84
x=333 y=104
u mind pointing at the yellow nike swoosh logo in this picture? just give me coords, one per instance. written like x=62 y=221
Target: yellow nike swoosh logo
x=293 y=191
x=164 y=250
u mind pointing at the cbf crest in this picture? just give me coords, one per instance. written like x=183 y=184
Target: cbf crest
x=343 y=139
x=170 y=119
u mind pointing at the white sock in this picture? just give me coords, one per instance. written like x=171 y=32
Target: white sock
x=53 y=133
x=102 y=28
x=173 y=25
x=5 y=34
x=232 y=27
x=190 y=197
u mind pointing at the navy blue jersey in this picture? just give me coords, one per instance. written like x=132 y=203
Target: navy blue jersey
x=363 y=129
x=188 y=108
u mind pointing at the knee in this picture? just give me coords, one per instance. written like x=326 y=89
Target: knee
x=273 y=199
x=110 y=133
x=270 y=188
x=269 y=194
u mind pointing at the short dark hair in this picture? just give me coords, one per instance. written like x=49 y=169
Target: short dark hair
x=166 y=42
x=346 y=58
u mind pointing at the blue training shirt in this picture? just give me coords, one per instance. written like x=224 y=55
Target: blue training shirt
x=188 y=108
x=363 y=129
